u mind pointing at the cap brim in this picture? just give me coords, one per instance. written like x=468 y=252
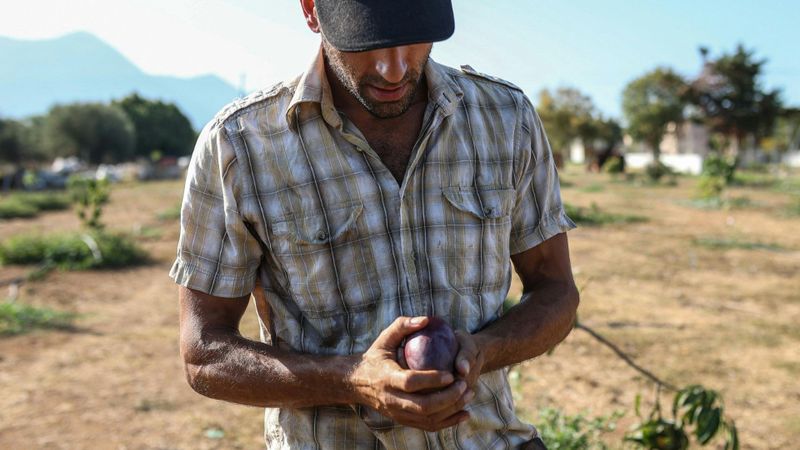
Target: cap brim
x=362 y=25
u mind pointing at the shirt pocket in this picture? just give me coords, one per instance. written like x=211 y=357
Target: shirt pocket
x=329 y=271
x=478 y=224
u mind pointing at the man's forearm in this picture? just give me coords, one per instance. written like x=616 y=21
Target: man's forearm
x=227 y=366
x=542 y=319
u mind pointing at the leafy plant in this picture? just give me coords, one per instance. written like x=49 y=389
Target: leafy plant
x=696 y=411
x=579 y=432
x=657 y=170
x=614 y=165
x=718 y=173
x=94 y=250
x=13 y=208
x=29 y=204
x=16 y=318
x=88 y=197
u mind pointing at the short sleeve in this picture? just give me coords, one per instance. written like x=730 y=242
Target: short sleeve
x=538 y=212
x=216 y=252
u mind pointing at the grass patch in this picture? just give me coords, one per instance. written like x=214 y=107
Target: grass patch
x=720 y=203
x=754 y=179
x=564 y=432
x=594 y=187
x=29 y=204
x=76 y=251
x=717 y=243
x=594 y=216
x=793 y=209
x=16 y=318
x=173 y=213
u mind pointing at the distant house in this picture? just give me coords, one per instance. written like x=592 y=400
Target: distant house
x=683 y=149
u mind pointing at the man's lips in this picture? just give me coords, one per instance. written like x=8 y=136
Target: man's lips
x=388 y=95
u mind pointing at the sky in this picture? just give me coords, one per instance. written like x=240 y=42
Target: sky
x=595 y=46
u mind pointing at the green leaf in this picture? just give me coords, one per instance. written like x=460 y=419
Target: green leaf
x=732 y=443
x=637 y=404
x=708 y=425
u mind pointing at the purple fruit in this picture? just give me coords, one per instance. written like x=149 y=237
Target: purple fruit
x=432 y=348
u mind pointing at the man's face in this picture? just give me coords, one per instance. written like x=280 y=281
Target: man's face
x=384 y=81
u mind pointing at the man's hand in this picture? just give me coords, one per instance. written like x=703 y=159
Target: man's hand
x=426 y=399
x=469 y=361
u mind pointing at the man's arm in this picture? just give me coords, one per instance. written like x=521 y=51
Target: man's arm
x=220 y=363
x=542 y=319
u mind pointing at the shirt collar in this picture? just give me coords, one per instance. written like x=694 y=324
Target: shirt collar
x=313 y=88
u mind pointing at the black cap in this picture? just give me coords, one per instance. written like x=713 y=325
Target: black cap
x=361 y=25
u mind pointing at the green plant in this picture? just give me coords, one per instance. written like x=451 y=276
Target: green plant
x=579 y=432
x=13 y=208
x=696 y=412
x=88 y=197
x=45 y=201
x=94 y=250
x=614 y=165
x=718 y=173
x=16 y=318
x=29 y=204
x=657 y=170
x=593 y=216
x=173 y=213
x=733 y=243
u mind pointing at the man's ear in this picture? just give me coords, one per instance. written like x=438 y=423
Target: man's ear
x=310 y=13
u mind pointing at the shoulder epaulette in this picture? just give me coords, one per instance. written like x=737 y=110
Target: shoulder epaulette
x=470 y=71
x=243 y=103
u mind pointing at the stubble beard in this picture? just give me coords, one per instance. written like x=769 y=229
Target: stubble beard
x=358 y=87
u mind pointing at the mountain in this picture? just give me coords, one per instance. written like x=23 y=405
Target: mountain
x=79 y=67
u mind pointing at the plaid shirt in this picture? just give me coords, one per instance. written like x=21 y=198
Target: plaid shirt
x=285 y=190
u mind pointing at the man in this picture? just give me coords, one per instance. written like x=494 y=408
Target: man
x=378 y=189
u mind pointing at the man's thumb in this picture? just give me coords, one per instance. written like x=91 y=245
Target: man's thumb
x=393 y=335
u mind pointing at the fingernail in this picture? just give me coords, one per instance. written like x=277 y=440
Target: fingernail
x=417 y=320
x=462 y=387
x=447 y=379
x=469 y=397
x=463 y=366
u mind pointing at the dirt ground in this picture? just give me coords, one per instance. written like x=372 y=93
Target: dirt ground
x=725 y=318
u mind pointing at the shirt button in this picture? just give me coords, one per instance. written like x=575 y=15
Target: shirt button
x=488 y=211
x=321 y=235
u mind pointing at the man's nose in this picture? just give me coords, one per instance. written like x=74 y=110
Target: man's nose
x=391 y=64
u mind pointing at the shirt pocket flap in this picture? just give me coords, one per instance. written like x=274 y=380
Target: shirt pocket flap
x=321 y=228
x=486 y=203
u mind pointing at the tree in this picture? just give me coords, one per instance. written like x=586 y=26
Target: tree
x=12 y=145
x=94 y=132
x=18 y=142
x=650 y=103
x=730 y=98
x=159 y=126
x=567 y=115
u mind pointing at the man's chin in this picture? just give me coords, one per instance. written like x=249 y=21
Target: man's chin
x=387 y=110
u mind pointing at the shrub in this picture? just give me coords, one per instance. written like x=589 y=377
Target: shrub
x=658 y=170
x=16 y=318
x=46 y=201
x=12 y=208
x=614 y=165
x=719 y=166
x=29 y=204
x=88 y=197
x=95 y=250
x=718 y=173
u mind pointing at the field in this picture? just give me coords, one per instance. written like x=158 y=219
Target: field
x=697 y=295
